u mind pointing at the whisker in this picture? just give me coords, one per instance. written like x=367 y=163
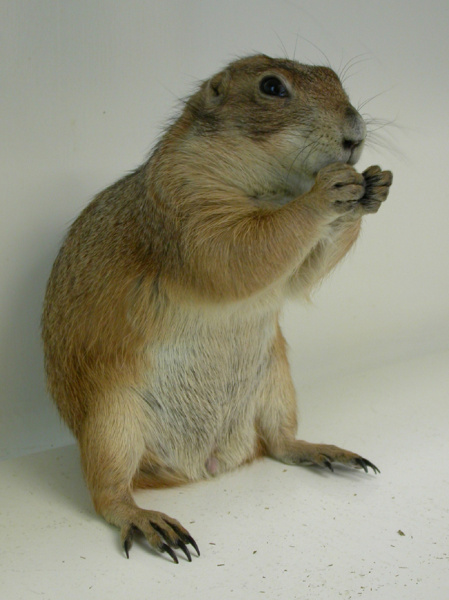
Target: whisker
x=284 y=49
x=311 y=146
x=393 y=150
x=381 y=137
x=326 y=58
x=296 y=45
x=378 y=126
x=363 y=104
x=351 y=63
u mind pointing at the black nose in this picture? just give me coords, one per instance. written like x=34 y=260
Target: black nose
x=351 y=144
x=354 y=130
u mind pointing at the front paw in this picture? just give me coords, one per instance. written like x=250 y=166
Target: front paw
x=340 y=186
x=377 y=186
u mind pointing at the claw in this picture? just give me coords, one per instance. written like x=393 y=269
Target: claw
x=194 y=544
x=185 y=550
x=186 y=537
x=170 y=551
x=127 y=539
x=373 y=467
x=364 y=464
x=328 y=464
x=164 y=535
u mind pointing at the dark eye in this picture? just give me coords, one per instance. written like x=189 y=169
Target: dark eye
x=272 y=86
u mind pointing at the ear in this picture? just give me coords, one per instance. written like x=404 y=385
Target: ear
x=217 y=88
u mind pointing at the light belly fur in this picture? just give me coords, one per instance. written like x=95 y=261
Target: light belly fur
x=201 y=393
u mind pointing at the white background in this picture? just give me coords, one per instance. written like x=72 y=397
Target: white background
x=86 y=87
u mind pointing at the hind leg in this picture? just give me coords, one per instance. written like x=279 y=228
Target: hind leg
x=112 y=445
x=277 y=422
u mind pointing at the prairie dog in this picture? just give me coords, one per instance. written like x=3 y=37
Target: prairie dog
x=163 y=349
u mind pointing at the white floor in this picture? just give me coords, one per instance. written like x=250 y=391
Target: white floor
x=267 y=530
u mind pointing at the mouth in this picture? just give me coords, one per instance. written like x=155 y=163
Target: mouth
x=353 y=150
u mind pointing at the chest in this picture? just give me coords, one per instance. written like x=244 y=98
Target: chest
x=214 y=359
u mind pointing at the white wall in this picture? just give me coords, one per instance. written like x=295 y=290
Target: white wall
x=87 y=85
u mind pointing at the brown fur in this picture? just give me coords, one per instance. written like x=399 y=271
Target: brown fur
x=162 y=345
